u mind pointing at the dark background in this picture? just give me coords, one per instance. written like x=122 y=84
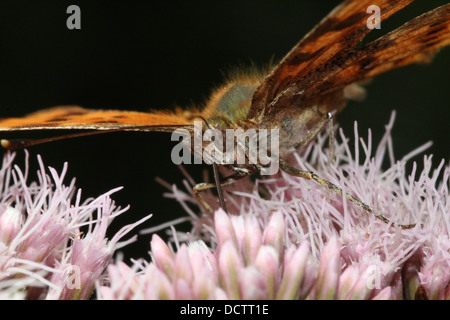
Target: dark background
x=138 y=55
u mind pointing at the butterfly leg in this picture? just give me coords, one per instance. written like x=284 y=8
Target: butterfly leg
x=326 y=119
x=200 y=187
x=286 y=167
x=331 y=136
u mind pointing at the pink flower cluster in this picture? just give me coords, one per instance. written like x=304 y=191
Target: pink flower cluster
x=52 y=245
x=288 y=238
x=284 y=237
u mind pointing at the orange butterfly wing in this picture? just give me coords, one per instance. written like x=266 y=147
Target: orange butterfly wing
x=338 y=32
x=74 y=117
x=318 y=68
x=414 y=42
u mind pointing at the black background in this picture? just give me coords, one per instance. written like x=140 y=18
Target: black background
x=137 y=55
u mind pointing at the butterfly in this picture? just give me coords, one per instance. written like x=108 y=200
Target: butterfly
x=297 y=97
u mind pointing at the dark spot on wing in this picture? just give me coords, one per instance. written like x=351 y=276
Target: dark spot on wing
x=119 y=117
x=333 y=24
x=57 y=120
x=301 y=57
x=427 y=45
x=432 y=31
x=350 y=21
x=437 y=23
x=75 y=113
x=106 y=122
x=368 y=62
x=439 y=27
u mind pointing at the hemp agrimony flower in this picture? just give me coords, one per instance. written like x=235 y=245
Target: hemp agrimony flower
x=287 y=238
x=52 y=245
